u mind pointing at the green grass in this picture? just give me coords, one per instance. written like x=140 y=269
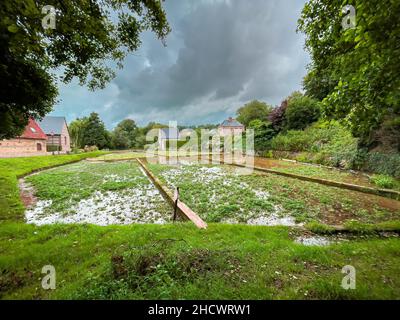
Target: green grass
x=179 y=261
x=11 y=168
x=122 y=156
x=385 y=182
x=333 y=174
x=327 y=174
x=84 y=189
x=225 y=195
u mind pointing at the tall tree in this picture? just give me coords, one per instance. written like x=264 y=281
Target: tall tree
x=252 y=111
x=119 y=139
x=277 y=116
x=76 y=130
x=355 y=70
x=125 y=133
x=301 y=111
x=87 y=34
x=94 y=132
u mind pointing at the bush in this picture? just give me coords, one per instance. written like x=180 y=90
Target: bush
x=383 y=181
x=90 y=148
x=277 y=116
x=324 y=143
x=301 y=112
x=382 y=163
x=263 y=133
x=52 y=148
x=319 y=228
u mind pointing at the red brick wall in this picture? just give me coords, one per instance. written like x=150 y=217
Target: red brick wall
x=21 y=147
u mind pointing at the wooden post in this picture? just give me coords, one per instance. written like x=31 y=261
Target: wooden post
x=176 y=199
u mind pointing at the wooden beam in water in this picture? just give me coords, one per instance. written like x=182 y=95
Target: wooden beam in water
x=182 y=208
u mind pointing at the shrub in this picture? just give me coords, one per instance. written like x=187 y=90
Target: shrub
x=383 y=181
x=263 y=133
x=90 y=148
x=301 y=112
x=382 y=163
x=330 y=143
x=52 y=148
x=267 y=154
x=277 y=116
x=319 y=228
x=292 y=141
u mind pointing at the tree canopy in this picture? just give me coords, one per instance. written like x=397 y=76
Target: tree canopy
x=356 y=71
x=124 y=135
x=277 y=116
x=252 y=111
x=301 y=111
x=87 y=35
x=263 y=133
x=93 y=132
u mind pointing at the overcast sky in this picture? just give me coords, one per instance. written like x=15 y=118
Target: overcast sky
x=219 y=55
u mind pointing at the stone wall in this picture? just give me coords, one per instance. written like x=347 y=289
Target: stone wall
x=22 y=147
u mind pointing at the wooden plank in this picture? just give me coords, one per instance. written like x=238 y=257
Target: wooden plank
x=183 y=209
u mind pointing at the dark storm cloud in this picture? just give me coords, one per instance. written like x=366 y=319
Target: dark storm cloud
x=220 y=54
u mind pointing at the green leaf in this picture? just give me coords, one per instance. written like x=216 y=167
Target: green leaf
x=13 y=28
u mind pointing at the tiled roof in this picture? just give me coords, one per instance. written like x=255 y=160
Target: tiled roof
x=52 y=125
x=231 y=123
x=33 y=131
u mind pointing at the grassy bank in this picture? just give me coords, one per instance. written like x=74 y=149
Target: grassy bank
x=182 y=262
x=12 y=168
x=333 y=145
x=179 y=261
x=217 y=194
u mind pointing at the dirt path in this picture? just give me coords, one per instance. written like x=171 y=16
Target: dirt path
x=27 y=193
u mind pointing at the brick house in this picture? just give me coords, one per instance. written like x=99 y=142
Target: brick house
x=56 y=129
x=32 y=142
x=230 y=127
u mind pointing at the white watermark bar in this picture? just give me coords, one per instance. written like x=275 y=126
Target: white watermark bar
x=172 y=146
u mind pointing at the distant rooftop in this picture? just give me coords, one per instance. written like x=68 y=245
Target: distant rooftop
x=52 y=125
x=230 y=122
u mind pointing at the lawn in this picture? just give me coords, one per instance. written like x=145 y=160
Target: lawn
x=144 y=261
x=219 y=194
x=115 y=156
x=11 y=168
x=179 y=261
x=297 y=168
x=323 y=172
x=98 y=193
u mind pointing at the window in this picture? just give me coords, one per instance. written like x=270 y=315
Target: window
x=65 y=140
x=39 y=147
x=33 y=130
